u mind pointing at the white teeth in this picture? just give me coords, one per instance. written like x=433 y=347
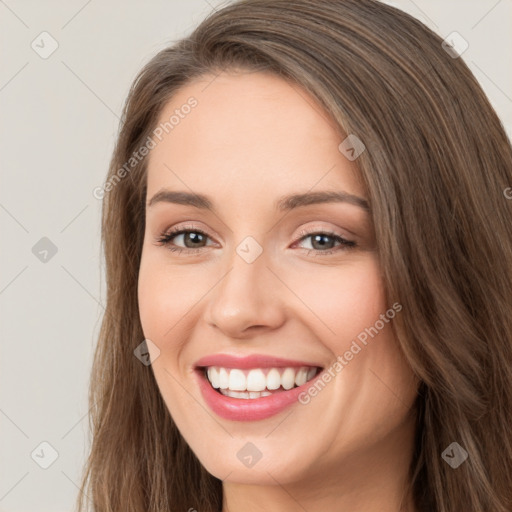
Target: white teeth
x=237 y=380
x=288 y=378
x=301 y=377
x=273 y=379
x=213 y=376
x=223 y=378
x=245 y=394
x=258 y=381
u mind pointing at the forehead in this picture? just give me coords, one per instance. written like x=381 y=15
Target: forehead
x=253 y=134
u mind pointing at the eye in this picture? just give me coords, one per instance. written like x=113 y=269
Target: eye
x=321 y=239
x=195 y=237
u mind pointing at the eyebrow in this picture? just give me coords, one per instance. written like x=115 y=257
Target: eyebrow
x=284 y=203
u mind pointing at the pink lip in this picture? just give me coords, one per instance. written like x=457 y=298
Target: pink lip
x=252 y=361
x=239 y=409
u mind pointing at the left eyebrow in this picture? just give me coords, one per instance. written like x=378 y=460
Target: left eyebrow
x=297 y=200
x=284 y=203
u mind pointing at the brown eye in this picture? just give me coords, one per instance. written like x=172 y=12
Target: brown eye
x=193 y=239
x=320 y=242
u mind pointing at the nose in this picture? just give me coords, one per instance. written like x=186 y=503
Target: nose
x=248 y=299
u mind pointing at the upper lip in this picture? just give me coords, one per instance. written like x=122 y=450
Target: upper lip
x=251 y=361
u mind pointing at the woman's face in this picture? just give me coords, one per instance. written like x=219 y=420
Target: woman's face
x=263 y=292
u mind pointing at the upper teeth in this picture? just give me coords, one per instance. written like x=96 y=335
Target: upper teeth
x=259 y=379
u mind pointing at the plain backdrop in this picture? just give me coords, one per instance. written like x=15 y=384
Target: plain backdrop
x=59 y=118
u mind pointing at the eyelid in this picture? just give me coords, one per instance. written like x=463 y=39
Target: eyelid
x=178 y=230
x=175 y=230
x=320 y=229
x=346 y=243
x=187 y=227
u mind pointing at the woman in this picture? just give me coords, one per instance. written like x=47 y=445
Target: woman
x=243 y=364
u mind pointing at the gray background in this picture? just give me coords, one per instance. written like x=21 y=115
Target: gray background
x=59 y=120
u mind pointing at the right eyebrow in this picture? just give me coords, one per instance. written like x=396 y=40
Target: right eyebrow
x=184 y=198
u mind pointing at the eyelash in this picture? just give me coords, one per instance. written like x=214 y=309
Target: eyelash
x=166 y=237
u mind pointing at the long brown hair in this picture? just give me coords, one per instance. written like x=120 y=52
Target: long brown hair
x=436 y=165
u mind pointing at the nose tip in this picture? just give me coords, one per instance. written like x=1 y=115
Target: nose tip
x=245 y=299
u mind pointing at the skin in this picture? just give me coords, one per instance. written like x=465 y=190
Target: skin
x=252 y=138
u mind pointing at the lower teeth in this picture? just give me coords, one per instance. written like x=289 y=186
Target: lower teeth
x=244 y=394
x=248 y=394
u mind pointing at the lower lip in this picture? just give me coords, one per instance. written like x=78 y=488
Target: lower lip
x=248 y=409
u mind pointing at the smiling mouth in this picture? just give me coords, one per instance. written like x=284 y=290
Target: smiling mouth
x=257 y=382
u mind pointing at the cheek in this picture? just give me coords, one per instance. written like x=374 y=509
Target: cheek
x=165 y=297
x=345 y=300
x=153 y=302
